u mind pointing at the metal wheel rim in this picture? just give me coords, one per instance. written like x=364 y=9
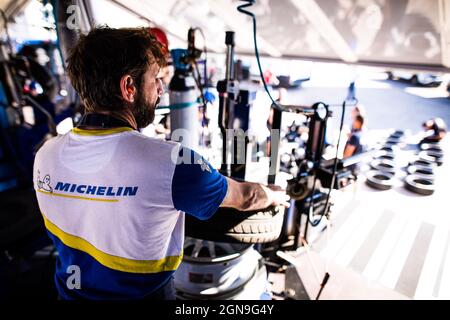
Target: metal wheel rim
x=234 y=250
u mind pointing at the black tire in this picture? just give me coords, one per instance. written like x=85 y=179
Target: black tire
x=435 y=153
x=397 y=135
x=419 y=185
x=432 y=156
x=387 y=156
x=431 y=147
x=422 y=172
x=230 y=225
x=392 y=141
x=380 y=180
x=384 y=155
x=388 y=148
x=423 y=163
x=431 y=143
x=383 y=165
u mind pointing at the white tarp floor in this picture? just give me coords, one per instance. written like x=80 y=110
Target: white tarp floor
x=384 y=244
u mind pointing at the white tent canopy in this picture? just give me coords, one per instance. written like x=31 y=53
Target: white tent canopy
x=409 y=33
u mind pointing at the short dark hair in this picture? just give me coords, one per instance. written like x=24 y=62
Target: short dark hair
x=360 y=119
x=28 y=51
x=103 y=56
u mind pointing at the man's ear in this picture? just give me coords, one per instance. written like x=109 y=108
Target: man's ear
x=127 y=88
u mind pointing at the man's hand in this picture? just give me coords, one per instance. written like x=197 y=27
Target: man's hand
x=276 y=196
x=248 y=196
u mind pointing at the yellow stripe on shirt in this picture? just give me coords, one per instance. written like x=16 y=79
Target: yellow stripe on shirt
x=100 y=132
x=76 y=197
x=170 y=263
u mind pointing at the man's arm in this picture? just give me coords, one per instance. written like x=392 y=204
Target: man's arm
x=199 y=190
x=349 y=150
x=248 y=196
x=351 y=146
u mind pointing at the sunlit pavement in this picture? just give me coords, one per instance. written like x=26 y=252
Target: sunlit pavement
x=382 y=244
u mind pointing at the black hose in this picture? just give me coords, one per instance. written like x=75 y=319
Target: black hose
x=241 y=9
x=333 y=176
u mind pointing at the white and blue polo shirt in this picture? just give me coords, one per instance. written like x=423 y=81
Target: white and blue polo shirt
x=113 y=202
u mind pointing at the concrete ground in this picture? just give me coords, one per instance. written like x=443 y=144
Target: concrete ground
x=382 y=244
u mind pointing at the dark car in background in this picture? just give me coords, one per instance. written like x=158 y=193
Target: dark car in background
x=416 y=78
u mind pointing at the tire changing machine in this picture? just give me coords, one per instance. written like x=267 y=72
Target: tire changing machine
x=223 y=256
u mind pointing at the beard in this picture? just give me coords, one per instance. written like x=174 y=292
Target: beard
x=144 y=111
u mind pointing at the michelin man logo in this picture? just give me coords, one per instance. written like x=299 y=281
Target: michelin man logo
x=44 y=184
x=203 y=165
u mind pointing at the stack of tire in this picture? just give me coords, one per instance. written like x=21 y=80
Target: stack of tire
x=420 y=178
x=382 y=175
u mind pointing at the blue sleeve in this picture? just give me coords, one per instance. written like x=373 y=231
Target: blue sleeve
x=197 y=188
x=354 y=140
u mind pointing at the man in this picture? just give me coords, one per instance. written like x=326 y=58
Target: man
x=39 y=72
x=435 y=130
x=354 y=144
x=116 y=209
x=359 y=110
